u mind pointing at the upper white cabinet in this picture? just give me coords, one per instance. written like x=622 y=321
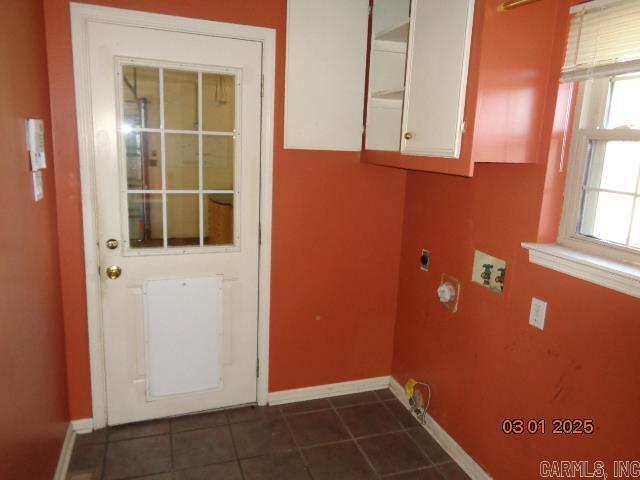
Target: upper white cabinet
x=418 y=65
x=437 y=66
x=325 y=74
x=418 y=76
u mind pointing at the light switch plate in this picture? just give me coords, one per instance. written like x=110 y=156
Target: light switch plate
x=479 y=260
x=35 y=143
x=538 y=313
x=38 y=190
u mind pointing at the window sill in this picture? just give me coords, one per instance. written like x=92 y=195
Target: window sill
x=619 y=276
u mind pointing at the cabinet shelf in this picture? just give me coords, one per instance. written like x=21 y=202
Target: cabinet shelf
x=389 y=94
x=398 y=33
x=390 y=47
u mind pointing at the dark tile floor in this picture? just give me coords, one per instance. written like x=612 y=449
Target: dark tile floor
x=366 y=435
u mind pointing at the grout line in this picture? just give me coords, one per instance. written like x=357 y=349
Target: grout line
x=235 y=449
x=363 y=402
x=118 y=440
x=199 y=427
x=393 y=397
x=325 y=444
x=173 y=464
x=190 y=467
x=305 y=461
x=421 y=469
x=364 y=455
x=421 y=450
x=103 y=474
x=296 y=414
x=407 y=428
x=195 y=429
x=446 y=462
x=374 y=435
x=153 y=474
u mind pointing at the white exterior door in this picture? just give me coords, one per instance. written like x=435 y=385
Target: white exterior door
x=176 y=121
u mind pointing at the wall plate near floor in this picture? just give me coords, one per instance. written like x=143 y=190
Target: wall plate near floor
x=489 y=271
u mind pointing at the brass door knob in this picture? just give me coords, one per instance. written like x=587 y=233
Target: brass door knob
x=113 y=272
x=111 y=244
x=408 y=136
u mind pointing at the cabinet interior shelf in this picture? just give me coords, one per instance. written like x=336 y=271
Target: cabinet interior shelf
x=391 y=47
x=389 y=94
x=397 y=33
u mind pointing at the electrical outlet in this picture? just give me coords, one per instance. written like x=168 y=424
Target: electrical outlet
x=537 y=313
x=425 y=260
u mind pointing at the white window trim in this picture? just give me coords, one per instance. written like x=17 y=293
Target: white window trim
x=619 y=276
x=586 y=128
x=573 y=191
x=596 y=261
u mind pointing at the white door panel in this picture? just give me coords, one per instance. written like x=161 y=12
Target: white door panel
x=177 y=183
x=183 y=311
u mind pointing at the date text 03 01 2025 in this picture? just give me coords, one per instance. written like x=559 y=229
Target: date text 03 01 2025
x=559 y=426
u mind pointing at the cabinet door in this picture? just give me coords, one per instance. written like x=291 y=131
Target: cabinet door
x=437 y=66
x=325 y=74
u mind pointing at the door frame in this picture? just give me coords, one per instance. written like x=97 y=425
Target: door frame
x=81 y=16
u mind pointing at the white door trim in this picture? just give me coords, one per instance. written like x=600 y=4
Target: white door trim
x=81 y=16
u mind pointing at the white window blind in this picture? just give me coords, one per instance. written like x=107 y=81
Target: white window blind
x=604 y=39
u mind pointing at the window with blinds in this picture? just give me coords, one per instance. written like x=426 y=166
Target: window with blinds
x=604 y=39
x=602 y=195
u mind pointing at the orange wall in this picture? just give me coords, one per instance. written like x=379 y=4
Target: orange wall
x=33 y=404
x=485 y=363
x=514 y=57
x=337 y=229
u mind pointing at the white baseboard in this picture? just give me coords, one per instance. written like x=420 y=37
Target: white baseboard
x=329 y=390
x=83 y=425
x=455 y=451
x=65 y=454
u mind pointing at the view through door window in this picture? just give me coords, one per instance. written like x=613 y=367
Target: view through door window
x=179 y=130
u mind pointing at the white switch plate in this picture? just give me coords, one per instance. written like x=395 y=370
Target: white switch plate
x=35 y=143
x=537 y=313
x=38 y=191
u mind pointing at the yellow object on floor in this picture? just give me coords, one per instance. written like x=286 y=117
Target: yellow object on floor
x=409 y=387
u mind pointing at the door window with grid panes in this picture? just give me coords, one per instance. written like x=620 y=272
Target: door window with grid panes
x=178 y=134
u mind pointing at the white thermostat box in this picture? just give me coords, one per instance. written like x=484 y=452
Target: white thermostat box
x=35 y=143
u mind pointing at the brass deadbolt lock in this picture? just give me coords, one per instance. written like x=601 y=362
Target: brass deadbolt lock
x=113 y=272
x=408 y=136
x=111 y=244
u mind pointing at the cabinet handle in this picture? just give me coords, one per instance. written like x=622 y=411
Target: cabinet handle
x=408 y=136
